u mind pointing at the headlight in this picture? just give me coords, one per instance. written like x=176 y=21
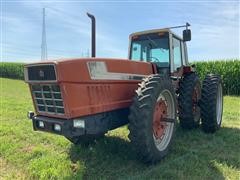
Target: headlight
x=40 y=124
x=57 y=127
x=77 y=123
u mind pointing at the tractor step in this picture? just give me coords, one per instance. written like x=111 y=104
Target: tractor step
x=168 y=120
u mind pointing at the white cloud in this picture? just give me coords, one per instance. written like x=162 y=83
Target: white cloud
x=217 y=38
x=229 y=11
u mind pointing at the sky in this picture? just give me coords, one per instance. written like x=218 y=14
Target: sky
x=214 y=25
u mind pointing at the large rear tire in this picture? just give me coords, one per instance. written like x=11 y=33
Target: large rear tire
x=188 y=99
x=211 y=103
x=152 y=118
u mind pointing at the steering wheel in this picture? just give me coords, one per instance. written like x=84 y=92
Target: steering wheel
x=151 y=57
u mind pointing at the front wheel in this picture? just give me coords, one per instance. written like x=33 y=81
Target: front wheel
x=152 y=118
x=211 y=103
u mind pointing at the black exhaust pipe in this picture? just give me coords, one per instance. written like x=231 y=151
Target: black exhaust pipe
x=93 y=34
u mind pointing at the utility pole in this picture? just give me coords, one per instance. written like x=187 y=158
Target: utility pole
x=44 y=43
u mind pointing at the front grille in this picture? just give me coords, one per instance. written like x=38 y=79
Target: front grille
x=48 y=98
x=44 y=72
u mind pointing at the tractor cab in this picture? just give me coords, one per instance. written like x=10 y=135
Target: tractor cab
x=162 y=47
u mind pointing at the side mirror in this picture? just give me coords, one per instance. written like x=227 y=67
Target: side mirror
x=187 y=35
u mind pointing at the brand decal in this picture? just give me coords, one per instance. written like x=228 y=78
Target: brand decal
x=41 y=73
x=98 y=71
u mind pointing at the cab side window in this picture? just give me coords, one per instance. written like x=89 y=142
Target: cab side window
x=136 y=53
x=177 y=56
x=183 y=53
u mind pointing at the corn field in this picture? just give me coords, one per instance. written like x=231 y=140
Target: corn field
x=228 y=69
x=11 y=70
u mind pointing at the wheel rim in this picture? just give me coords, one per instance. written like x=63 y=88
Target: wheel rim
x=162 y=130
x=219 y=104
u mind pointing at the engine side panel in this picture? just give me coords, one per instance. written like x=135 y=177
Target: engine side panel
x=110 y=88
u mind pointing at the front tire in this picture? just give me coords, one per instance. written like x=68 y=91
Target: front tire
x=211 y=103
x=152 y=118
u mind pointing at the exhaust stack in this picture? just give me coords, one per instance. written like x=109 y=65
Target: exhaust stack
x=93 y=34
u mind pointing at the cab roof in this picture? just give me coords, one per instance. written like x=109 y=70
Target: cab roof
x=154 y=31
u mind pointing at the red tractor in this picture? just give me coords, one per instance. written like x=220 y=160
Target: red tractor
x=84 y=98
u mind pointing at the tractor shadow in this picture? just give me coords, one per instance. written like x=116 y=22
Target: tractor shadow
x=192 y=153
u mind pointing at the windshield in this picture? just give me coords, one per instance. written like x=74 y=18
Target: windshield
x=151 y=48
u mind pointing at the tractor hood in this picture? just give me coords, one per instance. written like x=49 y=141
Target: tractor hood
x=84 y=86
x=87 y=70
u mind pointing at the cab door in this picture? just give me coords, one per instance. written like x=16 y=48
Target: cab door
x=178 y=56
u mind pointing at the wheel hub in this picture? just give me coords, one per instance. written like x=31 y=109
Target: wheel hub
x=160 y=112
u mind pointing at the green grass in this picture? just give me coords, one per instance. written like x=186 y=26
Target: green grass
x=25 y=154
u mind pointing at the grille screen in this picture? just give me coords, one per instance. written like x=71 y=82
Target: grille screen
x=48 y=98
x=41 y=72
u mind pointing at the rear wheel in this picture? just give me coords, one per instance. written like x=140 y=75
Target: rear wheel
x=152 y=118
x=189 y=96
x=211 y=103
